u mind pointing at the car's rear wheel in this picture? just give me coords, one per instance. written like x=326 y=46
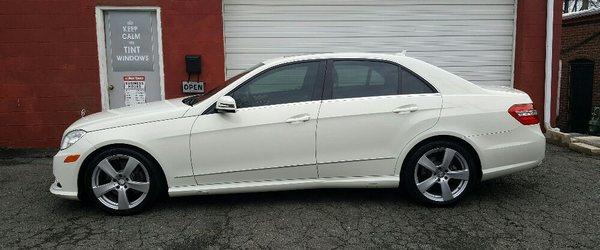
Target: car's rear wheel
x=122 y=181
x=440 y=173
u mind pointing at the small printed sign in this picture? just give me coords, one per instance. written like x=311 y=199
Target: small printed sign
x=193 y=87
x=135 y=90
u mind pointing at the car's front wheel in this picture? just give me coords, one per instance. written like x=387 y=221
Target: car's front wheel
x=122 y=181
x=440 y=173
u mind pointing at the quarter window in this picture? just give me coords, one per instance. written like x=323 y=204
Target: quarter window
x=411 y=84
x=285 y=84
x=364 y=78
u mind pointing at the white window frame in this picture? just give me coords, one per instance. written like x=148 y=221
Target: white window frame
x=100 y=36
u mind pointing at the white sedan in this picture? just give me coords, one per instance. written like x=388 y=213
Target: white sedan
x=348 y=120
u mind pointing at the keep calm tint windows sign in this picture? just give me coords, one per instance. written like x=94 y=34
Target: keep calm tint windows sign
x=131 y=41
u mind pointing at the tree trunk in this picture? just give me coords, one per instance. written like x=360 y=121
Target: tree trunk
x=585 y=4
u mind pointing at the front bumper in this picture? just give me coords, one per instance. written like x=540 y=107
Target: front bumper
x=66 y=174
x=55 y=189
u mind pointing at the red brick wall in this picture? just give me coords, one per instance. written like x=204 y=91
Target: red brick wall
x=530 y=51
x=49 y=61
x=575 y=31
x=192 y=27
x=49 y=64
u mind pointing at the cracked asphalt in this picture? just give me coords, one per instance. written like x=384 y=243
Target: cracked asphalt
x=556 y=205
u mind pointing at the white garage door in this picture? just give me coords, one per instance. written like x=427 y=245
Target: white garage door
x=473 y=39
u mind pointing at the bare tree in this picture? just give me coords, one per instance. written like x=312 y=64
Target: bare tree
x=566 y=4
x=585 y=4
x=579 y=5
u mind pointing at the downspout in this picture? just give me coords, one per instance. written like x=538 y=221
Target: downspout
x=548 y=68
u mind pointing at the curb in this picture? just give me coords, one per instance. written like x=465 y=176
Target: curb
x=9 y=153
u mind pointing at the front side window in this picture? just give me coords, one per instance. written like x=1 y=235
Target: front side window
x=193 y=100
x=285 y=84
x=364 y=78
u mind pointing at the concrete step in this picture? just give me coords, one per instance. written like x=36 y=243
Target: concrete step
x=578 y=142
x=584 y=148
x=590 y=140
x=559 y=138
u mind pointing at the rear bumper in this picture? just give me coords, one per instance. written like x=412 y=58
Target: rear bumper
x=516 y=150
x=509 y=169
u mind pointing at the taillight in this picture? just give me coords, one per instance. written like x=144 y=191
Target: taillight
x=524 y=113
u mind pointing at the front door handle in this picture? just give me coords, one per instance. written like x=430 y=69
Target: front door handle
x=298 y=118
x=406 y=109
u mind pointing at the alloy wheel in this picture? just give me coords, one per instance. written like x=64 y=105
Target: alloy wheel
x=442 y=174
x=120 y=182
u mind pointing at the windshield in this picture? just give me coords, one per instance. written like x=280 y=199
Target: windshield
x=192 y=100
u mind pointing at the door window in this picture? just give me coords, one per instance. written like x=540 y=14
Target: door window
x=364 y=78
x=285 y=84
x=411 y=84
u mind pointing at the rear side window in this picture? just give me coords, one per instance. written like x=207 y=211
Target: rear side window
x=411 y=84
x=364 y=78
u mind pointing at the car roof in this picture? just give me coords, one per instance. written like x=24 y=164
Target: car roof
x=357 y=55
x=444 y=81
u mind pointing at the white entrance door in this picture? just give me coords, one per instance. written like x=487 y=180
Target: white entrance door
x=132 y=57
x=473 y=39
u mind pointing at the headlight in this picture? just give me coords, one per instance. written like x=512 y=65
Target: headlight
x=71 y=138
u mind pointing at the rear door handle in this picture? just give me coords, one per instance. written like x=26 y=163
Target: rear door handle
x=298 y=118
x=406 y=109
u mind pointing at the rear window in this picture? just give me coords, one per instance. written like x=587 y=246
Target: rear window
x=364 y=78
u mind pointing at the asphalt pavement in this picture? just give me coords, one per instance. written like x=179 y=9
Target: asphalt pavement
x=556 y=205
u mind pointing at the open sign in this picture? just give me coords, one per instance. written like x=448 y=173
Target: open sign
x=193 y=87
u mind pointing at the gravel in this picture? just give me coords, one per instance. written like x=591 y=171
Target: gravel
x=556 y=205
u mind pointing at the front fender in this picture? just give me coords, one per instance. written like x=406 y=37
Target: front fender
x=166 y=141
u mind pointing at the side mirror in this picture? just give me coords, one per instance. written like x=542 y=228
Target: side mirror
x=226 y=104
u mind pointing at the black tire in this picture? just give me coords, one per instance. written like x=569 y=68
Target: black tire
x=145 y=171
x=451 y=174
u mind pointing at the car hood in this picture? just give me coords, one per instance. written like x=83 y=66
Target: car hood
x=148 y=112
